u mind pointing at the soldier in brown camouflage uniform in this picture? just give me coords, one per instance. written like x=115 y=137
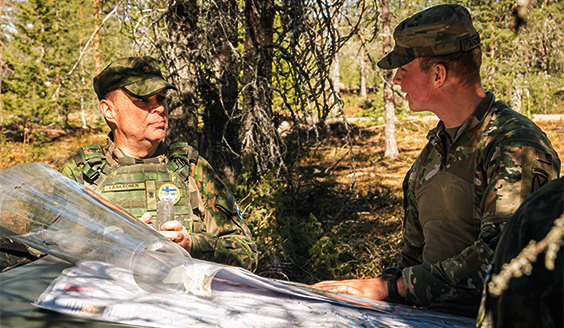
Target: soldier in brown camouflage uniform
x=481 y=161
x=136 y=169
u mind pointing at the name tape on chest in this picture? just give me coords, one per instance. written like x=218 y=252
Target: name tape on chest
x=166 y=191
x=125 y=186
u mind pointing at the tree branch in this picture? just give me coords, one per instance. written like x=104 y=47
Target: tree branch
x=85 y=48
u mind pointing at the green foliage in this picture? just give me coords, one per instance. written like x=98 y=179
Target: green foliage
x=373 y=106
x=310 y=229
x=42 y=47
x=523 y=67
x=292 y=242
x=39 y=57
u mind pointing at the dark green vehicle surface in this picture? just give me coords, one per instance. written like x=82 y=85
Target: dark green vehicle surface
x=21 y=286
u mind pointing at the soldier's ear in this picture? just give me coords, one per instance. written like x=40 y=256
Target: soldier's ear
x=107 y=108
x=440 y=75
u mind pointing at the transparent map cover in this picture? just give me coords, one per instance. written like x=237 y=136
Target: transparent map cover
x=126 y=272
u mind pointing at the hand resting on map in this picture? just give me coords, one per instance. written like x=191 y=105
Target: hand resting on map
x=373 y=289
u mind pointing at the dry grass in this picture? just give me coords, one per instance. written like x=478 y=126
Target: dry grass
x=53 y=153
x=369 y=224
x=555 y=132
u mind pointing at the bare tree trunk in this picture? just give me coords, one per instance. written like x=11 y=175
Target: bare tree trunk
x=219 y=91
x=199 y=49
x=260 y=140
x=362 y=72
x=258 y=54
x=336 y=66
x=181 y=22
x=389 y=106
x=97 y=68
x=362 y=53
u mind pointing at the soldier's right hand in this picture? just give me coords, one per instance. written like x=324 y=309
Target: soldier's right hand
x=176 y=232
x=146 y=217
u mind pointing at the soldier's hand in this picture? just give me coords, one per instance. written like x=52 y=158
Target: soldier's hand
x=146 y=217
x=176 y=232
x=375 y=289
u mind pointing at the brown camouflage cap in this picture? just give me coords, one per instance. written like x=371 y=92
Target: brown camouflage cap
x=439 y=30
x=140 y=77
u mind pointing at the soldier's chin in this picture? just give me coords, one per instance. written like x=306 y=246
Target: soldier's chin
x=157 y=135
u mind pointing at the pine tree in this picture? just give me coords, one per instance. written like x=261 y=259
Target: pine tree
x=523 y=66
x=25 y=93
x=43 y=50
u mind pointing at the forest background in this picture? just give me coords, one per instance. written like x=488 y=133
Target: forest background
x=283 y=97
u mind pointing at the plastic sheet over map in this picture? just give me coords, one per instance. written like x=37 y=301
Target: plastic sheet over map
x=239 y=298
x=126 y=272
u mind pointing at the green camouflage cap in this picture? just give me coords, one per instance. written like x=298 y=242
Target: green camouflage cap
x=140 y=77
x=439 y=30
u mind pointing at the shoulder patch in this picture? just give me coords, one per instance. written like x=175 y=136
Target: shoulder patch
x=168 y=191
x=539 y=180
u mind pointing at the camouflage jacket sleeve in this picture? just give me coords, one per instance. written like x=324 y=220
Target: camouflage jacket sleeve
x=510 y=163
x=227 y=238
x=71 y=170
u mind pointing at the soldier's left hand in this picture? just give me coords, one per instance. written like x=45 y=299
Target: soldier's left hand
x=176 y=232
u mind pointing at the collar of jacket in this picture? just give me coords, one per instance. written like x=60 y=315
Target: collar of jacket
x=475 y=119
x=116 y=156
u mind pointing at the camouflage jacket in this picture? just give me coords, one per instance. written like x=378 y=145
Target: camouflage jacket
x=456 y=198
x=219 y=235
x=535 y=299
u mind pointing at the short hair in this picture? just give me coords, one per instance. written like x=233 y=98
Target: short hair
x=110 y=95
x=464 y=65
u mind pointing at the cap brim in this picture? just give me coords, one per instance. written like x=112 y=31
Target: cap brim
x=143 y=90
x=394 y=60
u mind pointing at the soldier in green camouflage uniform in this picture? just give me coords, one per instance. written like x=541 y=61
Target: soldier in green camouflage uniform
x=481 y=161
x=457 y=196
x=136 y=169
x=534 y=300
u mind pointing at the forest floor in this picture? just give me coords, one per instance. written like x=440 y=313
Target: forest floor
x=372 y=183
x=373 y=169
x=378 y=180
